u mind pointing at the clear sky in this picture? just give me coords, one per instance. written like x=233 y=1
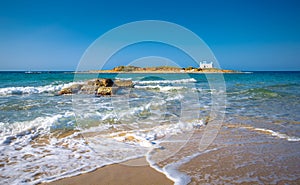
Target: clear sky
x=243 y=34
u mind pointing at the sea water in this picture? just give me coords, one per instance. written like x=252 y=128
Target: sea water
x=44 y=137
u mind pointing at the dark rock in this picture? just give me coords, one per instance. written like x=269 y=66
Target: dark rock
x=104 y=82
x=100 y=82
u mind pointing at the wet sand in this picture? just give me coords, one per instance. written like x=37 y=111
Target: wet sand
x=248 y=157
x=238 y=155
x=133 y=172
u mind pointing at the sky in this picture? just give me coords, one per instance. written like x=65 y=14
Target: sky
x=246 y=35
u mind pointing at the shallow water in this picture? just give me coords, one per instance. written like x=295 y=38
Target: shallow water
x=44 y=137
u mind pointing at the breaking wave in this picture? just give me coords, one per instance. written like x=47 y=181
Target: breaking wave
x=188 y=80
x=160 y=88
x=33 y=90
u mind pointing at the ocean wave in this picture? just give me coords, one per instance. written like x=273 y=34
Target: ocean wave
x=33 y=144
x=33 y=90
x=19 y=131
x=284 y=85
x=256 y=93
x=34 y=150
x=262 y=92
x=160 y=88
x=150 y=137
x=188 y=80
x=119 y=78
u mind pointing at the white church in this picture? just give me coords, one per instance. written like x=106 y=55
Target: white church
x=206 y=65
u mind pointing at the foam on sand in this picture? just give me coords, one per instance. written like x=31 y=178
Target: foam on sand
x=268 y=132
x=171 y=170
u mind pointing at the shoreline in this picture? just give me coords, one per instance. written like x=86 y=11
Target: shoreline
x=131 y=172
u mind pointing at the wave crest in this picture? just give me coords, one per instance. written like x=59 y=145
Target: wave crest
x=188 y=80
x=33 y=90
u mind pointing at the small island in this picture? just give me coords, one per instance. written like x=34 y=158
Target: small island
x=162 y=69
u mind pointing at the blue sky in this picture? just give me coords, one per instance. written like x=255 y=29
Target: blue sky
x=244 y=35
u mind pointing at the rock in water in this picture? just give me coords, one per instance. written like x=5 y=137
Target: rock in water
x=104 y=82
x=104 y=91
x=123 y=83
x=92 y=86
x=99 y=86
x=70 y=90
x=109 y=87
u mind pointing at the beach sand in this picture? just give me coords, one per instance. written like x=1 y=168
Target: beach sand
x=133 y=172
x=238 y=155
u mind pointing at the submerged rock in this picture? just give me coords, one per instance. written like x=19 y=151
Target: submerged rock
x=88 y=89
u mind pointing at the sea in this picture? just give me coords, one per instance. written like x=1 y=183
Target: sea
x=235 y=128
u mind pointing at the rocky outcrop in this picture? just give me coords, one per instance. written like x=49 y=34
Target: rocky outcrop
x=75 y=88
x=99 y=87
x=91 y=86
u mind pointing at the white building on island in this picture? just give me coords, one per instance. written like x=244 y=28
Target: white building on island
x=206 y=65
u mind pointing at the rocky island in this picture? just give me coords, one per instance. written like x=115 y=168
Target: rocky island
x=161 y=69
x=104 y=86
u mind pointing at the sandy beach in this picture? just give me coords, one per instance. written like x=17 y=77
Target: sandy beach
x=127 y=173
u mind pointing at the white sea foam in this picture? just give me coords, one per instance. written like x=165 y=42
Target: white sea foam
x=273 y=133
x=148 y=137
x=78 y=155
x=171 y=170
x=23 y=132
x=278 y=134
x=55 y=88
x=123 y=78
x=33 y=90
x=176 y=97
x=188 y=80
x=160 y=88
x=47 y=157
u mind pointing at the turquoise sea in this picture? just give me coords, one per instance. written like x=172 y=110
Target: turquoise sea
x=171 y=119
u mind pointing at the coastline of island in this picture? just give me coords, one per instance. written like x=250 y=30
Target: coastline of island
x=160 y=69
